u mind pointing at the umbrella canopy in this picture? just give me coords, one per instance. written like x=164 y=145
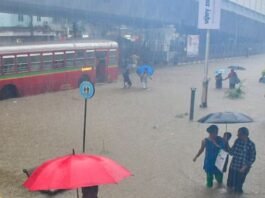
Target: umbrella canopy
x=145 y=68
x=236 y=67
x=75 y=171
x=225 y=118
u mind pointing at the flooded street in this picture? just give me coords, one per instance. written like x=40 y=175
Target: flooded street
x=147 y=131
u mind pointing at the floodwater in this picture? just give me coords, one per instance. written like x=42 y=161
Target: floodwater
x=147 y=131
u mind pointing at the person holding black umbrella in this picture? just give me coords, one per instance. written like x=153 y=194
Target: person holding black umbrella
x=212 y=145
x=244 y=155
x=233 y=79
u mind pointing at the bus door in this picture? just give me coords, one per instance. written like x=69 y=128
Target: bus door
x=101 y=66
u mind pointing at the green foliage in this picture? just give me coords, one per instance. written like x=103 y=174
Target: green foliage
x=237 y=92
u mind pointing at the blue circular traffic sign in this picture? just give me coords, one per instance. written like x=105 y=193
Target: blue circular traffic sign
x=87 y=89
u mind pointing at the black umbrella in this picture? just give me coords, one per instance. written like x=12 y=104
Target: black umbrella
x=226 y=118
x=236 y=67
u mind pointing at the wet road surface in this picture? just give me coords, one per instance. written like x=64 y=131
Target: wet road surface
x=147 y=131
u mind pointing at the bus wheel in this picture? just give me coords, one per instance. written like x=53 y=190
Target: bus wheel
x=82 y=79
x=8 y=91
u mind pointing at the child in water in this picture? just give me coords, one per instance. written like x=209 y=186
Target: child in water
x=219 y=81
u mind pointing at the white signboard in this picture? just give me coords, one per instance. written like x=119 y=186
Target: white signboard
x=193 y=42
x=209 y=14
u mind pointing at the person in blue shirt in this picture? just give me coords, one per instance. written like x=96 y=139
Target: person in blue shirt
x=211 y=145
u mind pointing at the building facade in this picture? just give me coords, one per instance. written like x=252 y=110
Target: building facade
x=255 y=5
x=20 y=20
x=19 y=28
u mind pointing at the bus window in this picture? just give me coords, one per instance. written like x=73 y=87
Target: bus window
x=80 y=58
x=69 y=58
x=91 y=57
x=47 y=61
x=8 y=64
x=35 y=62
x=58 y=60
x=22 y=63
x=113 y=58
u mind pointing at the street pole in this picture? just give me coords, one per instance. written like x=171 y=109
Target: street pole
x=84 y=130
x=192 y=100
x=87 y=91
x=206 y=64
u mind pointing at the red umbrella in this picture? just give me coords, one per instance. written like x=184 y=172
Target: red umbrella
x=75 y=171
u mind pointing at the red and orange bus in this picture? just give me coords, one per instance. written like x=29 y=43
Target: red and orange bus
x=39 y=68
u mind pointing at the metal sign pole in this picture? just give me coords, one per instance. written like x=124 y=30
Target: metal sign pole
x=87 y=91
x=77 y=193
x=84 y=130
x=209 y=18
x=206 y=80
